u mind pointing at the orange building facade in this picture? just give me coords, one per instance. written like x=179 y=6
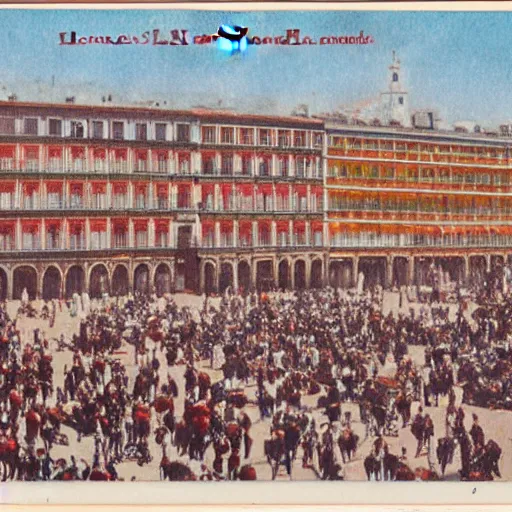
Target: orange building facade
x=400 y=200
x=114 y=199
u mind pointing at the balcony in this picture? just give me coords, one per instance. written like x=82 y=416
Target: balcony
x=226 y=171
x=119 y=202
x=78 y=165
x=399 y=241
x=141 y=166
x=141 y=202
x=7 y=164
x=161 y=240
x=55 y=165
x=100 y=167
x=118 y=168
x=161 y=167
x=120 y=242
x=247 y=140
x=99 y=240
x=31 y=166
x=30 y=243
x=7 y=243
x=161 y=203
x=141 y=240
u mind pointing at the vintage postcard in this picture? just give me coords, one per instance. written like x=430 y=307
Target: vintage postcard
x=255 y=245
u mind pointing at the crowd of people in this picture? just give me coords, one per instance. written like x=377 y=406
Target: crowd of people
x=122 y=385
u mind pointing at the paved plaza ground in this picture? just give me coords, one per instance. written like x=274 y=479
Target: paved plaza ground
x=496 y=424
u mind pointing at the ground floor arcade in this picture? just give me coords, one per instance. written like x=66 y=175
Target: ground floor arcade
x=418 y=268
x=215 y=272
x=51 y=280
x=262 y=271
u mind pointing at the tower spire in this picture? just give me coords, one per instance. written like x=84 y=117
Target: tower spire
x=394 y=102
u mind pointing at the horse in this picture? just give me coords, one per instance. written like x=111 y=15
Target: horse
x=326 y=460
x=378 y=413
x=485 y=467
x=372 y=467
x=403 y=406
x=9 y=459
x=182 y=436
x=274 y=450
x=347 y=443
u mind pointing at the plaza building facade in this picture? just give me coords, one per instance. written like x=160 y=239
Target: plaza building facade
x=111 y=199
x=405 y=197
x=400 y=200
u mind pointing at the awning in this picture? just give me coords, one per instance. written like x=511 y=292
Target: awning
x=98 y=225
x=7 y=151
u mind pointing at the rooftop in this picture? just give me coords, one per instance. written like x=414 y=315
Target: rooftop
x=158 y=111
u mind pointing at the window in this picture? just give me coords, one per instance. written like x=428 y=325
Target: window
x=284 y=138
x=118 y=130
x=97 y=129
x=209 y=164
x=183 y=133
x=283 y=166
x=227 y=164
x=160 y=131
x=209 y=134
x=227 y=135
x=55 y=127
x=357 y=172
x=246 y=136
x=184 y=164
x=264 y=167
x=300 y=139
x=401 y=100
x=265 y=137
x=389 y=173
x=7 y=125
x=162 y=163
x=141 y=131
x=77 y=130
x=319 y=140
x=246 y=165
x=395 y=77
x=31 y=126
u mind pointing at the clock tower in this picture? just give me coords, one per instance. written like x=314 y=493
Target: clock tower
x=395 y=101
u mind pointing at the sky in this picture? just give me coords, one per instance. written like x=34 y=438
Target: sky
x=458 y=63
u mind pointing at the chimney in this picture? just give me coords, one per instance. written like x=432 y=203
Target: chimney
x=70 y=99
x=103 y=99
x=13 y=97
x=110 y=98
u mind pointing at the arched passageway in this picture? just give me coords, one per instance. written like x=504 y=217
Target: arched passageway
x=3 y=284
x=52 y=283
x=300 y=274
x=120 y=281
x=400 y=268
x=264 y=276
x=317 y=278
x=284 y=275
x=341 y=273
x=75 y=281
x=244 y=276
x=209 y=278
x=24 y=277
x=373 y=270
x=99 y=282
x=163 y=280
x=141 y=279
x=226 y=277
